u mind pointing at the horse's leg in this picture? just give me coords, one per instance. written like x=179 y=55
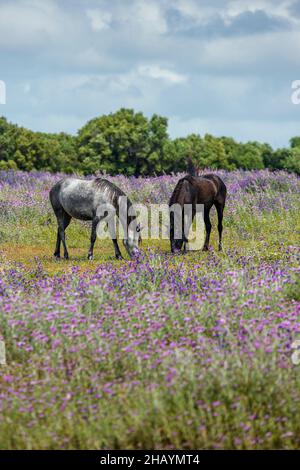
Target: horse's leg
x=186 y=231
x=63 y=221
x=57 y=248
x=117 y=249
x=220 y=209
x=186 y=240
x=118 y=253
x=207 y=227
x=95 y=223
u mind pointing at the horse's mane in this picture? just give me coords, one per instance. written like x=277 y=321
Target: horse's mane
x=178 y=188
x=112 y=192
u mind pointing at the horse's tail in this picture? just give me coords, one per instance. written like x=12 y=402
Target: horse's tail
x=190 y=167
x=222 y=190
x=54 y=195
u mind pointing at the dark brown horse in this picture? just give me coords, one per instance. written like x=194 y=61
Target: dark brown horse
x=208 y=190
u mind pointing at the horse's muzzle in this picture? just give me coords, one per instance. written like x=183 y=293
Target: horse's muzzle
x=134 y=254
x=176 y=246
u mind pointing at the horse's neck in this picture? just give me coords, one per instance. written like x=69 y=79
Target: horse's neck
x=123 y=218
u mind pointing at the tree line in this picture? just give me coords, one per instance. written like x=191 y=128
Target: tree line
x=129 y=143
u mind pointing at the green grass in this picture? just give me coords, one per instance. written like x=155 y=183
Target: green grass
x=227 y=339
x=261 y=236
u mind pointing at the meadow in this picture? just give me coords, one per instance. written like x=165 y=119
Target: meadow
x=164 y=352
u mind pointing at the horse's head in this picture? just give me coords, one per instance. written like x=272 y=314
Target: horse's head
x=177 y=237
x=133 y=239
x=176 y=245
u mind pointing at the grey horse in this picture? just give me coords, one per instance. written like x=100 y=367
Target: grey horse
x=90 y=200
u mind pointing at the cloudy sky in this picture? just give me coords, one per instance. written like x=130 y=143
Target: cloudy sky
x=217 y=66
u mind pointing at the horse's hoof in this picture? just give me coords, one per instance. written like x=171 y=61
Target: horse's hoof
x=119 y=257
x=90 y=257
x=56 y=256
x=205 y=248
x=66 y=257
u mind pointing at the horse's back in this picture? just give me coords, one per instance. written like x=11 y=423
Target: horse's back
x=221 y=187
x=75 y=196
x=194 y=189
x=205 y=189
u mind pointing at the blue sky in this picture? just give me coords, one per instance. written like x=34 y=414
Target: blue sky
x=223 y=67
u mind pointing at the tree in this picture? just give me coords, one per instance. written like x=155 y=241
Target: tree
x=267 y=153
x=275 y=161
x=212 y=153
x=292 y=161
x=178 y=151
x=208 y=152
x=249 y=156
x=232 y=150
x=129 y=143
x=295 y=142
x=158 y=136
x=123 y=142
x=7 y=140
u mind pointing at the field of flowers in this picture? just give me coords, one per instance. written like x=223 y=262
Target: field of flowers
x=166 y=352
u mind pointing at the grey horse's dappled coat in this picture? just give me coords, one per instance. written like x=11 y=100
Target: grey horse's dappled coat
x=86 y=200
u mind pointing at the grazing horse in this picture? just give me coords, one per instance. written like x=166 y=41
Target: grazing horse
x=87 y=200
x=208 y=190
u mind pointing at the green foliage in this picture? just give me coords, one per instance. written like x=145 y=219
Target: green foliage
x=292 y=161
x=249 y=156
x=126 y=142
x=26 y=150
x=295 y=142
x=275 y=160
x=207 y=152
x=123 y=142
x=285 y=159
x=195 y=355
x=212 y=153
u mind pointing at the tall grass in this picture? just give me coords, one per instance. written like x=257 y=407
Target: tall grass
x=166 y=352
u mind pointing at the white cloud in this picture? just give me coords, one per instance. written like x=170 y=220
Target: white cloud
x=255 y=54
x=273 y=8
x=157 y=72
x=150 y=16
x=194 y=11
x=100 y=20
x=29 y=22
x=141 y=17
x=84 y=58
x=89 y=57
x=205 y=11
